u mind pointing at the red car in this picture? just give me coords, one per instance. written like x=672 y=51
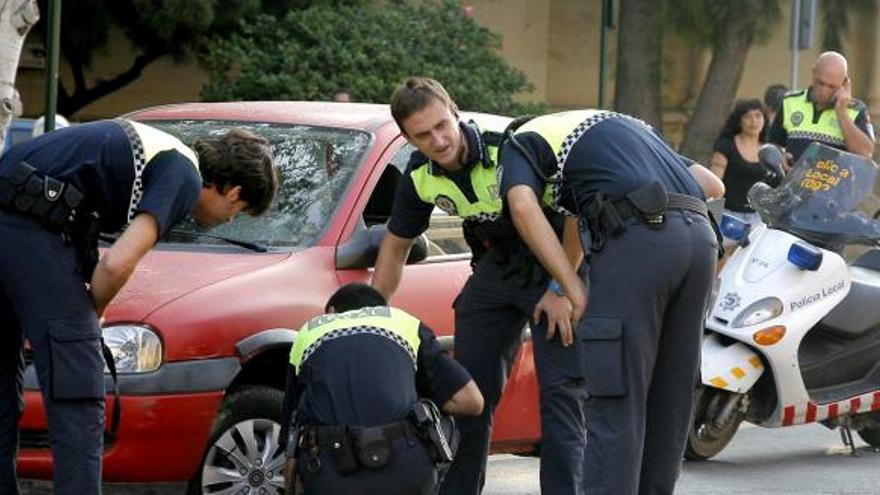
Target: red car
x=202 y=332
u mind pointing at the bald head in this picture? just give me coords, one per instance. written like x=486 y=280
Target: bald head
x=831 y=62
x=829 y=75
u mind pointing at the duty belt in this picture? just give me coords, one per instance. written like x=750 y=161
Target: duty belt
x=352 y=448
x=53 y=202
x=649 y=205
x=328 y=437
x=674 y=201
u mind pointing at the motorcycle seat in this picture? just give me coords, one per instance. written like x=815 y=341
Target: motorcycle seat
x=870 y=260
x=860 y=309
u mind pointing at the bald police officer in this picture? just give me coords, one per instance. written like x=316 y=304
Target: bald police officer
x=825 y=112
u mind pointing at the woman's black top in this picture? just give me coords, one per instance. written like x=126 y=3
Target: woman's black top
x=739 y=176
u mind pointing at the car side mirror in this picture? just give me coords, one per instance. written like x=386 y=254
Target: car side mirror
x=362 y=249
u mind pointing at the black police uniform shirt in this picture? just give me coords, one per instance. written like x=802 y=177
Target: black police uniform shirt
x=410 y=215
x=368 y=380
x=778 y=135
x=97 y=159
x=615 y=156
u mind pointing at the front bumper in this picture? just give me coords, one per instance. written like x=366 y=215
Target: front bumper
x=165 y=422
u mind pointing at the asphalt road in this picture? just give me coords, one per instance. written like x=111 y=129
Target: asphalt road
x=800 y=460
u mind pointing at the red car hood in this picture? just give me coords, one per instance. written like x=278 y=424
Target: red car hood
x=165 y=275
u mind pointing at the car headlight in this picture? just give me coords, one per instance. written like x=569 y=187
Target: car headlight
x=758 y=312
x=135 y=348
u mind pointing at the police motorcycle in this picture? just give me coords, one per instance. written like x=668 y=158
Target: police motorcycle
x=793 y=336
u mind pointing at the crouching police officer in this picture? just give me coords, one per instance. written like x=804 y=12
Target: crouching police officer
x=651 y=251
x=57 y=192
x=363 y=380
x=455 y=169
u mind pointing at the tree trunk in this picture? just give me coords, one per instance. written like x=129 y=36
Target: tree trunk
x=70 y=103
x=16 y=19
x=722 y=81
x=640 y=39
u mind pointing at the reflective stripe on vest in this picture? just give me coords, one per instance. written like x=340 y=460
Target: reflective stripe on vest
x=147 y=142
x=440 y=190
x=798 y=113
x=443 y=192
x=396 y=325
x=561 y=131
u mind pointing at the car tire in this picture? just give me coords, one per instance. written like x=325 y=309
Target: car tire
x=243 y=454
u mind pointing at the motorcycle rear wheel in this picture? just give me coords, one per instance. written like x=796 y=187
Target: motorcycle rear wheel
x=871 y=436
x=706 y=438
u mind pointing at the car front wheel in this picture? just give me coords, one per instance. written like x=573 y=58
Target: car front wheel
x=243 y=454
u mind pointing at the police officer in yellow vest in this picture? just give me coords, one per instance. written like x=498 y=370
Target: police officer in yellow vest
x=57 y=192
x=632 y=359
x=825 y=112
x=455 y=169
x=363 y=380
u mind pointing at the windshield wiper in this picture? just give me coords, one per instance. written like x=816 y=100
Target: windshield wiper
x=253 y=246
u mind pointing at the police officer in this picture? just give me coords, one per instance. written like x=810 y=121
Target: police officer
x=363 y=380
x=56 y=193
x=825 y=112
x=455 y=169
x=651 y=257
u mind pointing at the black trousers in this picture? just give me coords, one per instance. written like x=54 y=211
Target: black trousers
x=490 y=315
x=640 y=347
x=43 y=298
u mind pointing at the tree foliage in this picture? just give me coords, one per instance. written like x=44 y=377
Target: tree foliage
x=154 y=27
x=366 y=50
x=836 y=15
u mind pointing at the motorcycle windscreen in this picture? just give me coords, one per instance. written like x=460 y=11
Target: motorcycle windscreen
x=819 y=199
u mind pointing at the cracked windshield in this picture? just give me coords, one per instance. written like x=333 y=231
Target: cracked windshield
x=315 y=166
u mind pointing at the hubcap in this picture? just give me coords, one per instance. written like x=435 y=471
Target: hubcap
x=244 y=460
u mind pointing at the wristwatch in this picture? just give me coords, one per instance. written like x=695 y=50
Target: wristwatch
x=556 y=288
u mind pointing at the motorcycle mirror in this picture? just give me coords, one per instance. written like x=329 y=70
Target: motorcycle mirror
x=771 y=156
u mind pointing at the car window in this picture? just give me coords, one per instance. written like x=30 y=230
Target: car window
x=315 y=166
x=445 y=236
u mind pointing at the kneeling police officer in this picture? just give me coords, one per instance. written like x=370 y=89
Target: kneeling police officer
x=363 y=380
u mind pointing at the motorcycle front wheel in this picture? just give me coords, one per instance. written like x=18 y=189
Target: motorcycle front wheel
x=710 y=432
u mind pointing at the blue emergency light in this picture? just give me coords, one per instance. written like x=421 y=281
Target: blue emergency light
x=805 y=256
x=733 y=228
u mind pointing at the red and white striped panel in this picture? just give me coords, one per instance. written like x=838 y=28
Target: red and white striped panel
x=814 y=412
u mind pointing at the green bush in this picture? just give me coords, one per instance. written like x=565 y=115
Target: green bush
x=366 y=50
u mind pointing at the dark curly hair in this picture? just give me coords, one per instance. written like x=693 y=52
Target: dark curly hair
x=240 y=158
x=732 y=126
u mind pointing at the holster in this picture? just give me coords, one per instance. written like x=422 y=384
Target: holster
x=519 y=264
x=84 y=239
x=426 y=418
x=648 y=205
x=476 y=241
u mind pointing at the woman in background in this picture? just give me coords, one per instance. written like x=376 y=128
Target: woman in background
x=735 y=157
